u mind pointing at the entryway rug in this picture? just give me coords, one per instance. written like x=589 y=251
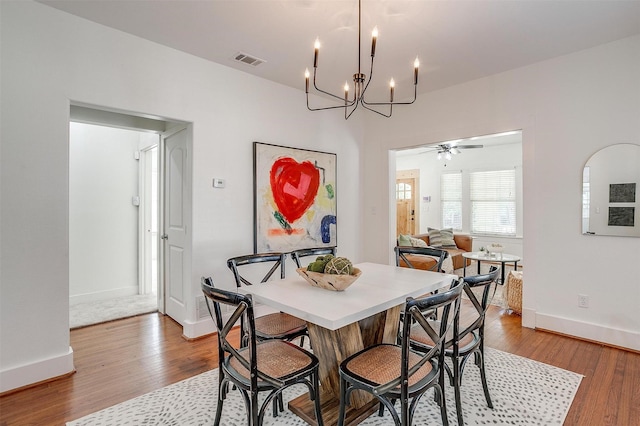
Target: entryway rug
x=524 y=392
x=89 y=313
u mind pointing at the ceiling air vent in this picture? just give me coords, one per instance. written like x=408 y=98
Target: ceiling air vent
x=248 y=59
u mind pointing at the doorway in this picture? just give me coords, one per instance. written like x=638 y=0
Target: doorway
x=444 y=198
x=116 y=189
x=108 y=206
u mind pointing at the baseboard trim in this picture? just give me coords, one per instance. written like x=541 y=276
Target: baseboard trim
x=37 y=372
x=623 y=339
x=194 y=330
x=103 y=295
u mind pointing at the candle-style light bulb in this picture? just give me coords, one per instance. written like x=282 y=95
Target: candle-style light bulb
x=316 y=48
x=392 y=86
x=346 y=92
x=306 y=80
x=374 y=37
x=416 y=65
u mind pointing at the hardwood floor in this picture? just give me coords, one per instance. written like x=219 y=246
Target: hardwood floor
x=120 y=360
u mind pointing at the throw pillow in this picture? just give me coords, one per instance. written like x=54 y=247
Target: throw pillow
x=404 y=241
x=441 y=238
x=417 y=242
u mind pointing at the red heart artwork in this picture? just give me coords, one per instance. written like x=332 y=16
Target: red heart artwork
x=294 y=186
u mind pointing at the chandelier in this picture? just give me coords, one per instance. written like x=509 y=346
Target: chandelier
x=360 y=82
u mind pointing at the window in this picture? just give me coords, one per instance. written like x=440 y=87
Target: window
x=451 y=200
x=493 y=202
x=403 y=191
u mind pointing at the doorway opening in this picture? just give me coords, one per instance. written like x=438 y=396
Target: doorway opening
x=116 y=266
x=453 y=195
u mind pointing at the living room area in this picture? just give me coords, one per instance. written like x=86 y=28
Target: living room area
x=472 y=187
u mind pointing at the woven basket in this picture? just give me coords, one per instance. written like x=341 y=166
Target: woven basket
x=514 y=291
x=329 y=281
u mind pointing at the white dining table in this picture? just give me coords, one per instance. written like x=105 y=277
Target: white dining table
x=341 y=323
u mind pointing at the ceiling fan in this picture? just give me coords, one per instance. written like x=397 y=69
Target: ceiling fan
x=448 y=149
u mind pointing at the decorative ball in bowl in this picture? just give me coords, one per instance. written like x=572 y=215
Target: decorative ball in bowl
x=333 y=282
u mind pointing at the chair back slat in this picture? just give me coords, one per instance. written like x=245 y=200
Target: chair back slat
x=296 y=255
x=489 y=284
x=277 y=259
x=439 y=255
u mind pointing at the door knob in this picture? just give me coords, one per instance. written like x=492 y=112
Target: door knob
x=164 y=236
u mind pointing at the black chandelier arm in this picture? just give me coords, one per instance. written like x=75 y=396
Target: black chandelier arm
x=346 y=116
x=315 y=86
x=366 y=86
x=349 y=104
x=364 y=105
x=415 y=96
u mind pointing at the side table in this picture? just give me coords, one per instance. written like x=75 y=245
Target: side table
x=503 y=258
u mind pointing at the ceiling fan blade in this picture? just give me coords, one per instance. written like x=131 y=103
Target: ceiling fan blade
x=469 y=146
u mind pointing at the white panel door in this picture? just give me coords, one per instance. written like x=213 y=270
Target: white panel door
x=176 y=235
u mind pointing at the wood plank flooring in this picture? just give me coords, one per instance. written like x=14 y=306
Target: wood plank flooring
x=120 y=360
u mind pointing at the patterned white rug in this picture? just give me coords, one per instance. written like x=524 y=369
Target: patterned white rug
x=524 y=392
x=89 y=313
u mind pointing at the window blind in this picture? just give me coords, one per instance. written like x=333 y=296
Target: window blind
x=451 y=200
x=493 y=202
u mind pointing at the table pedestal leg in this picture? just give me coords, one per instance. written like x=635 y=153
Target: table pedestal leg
x=332 y=347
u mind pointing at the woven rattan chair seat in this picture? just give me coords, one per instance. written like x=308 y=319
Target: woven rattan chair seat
x=278 y=324
x=381 y=364
x=276 y=358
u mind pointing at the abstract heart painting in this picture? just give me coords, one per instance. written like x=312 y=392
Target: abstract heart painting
x=294 y=198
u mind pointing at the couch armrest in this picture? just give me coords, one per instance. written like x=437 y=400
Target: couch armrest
x=464 y=242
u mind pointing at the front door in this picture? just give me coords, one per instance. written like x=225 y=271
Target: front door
x=176 y=226
x=406 y=194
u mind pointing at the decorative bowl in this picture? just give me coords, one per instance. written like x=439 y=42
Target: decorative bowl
x=495 y=248
x=332 y=282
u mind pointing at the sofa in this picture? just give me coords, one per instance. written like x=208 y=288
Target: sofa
x=463 y=242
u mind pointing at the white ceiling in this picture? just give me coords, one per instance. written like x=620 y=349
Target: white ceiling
x=494 y=140
x=456 y=40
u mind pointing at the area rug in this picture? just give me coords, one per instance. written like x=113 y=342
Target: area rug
x=89 y=313
x=523 y=391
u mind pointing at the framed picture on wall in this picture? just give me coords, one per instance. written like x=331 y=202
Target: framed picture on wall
x=622 y=193
x=294 y=198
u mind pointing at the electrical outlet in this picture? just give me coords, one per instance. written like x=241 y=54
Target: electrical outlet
x=583 y=301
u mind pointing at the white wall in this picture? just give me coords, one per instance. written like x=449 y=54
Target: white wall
x=50 y=58
x=568 y=108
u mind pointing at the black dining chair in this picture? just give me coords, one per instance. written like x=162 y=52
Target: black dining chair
x=392 y=372
x=277 y=325
x=407 y=255
x=261 y=366
x=467 y=338
x=297 y=255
